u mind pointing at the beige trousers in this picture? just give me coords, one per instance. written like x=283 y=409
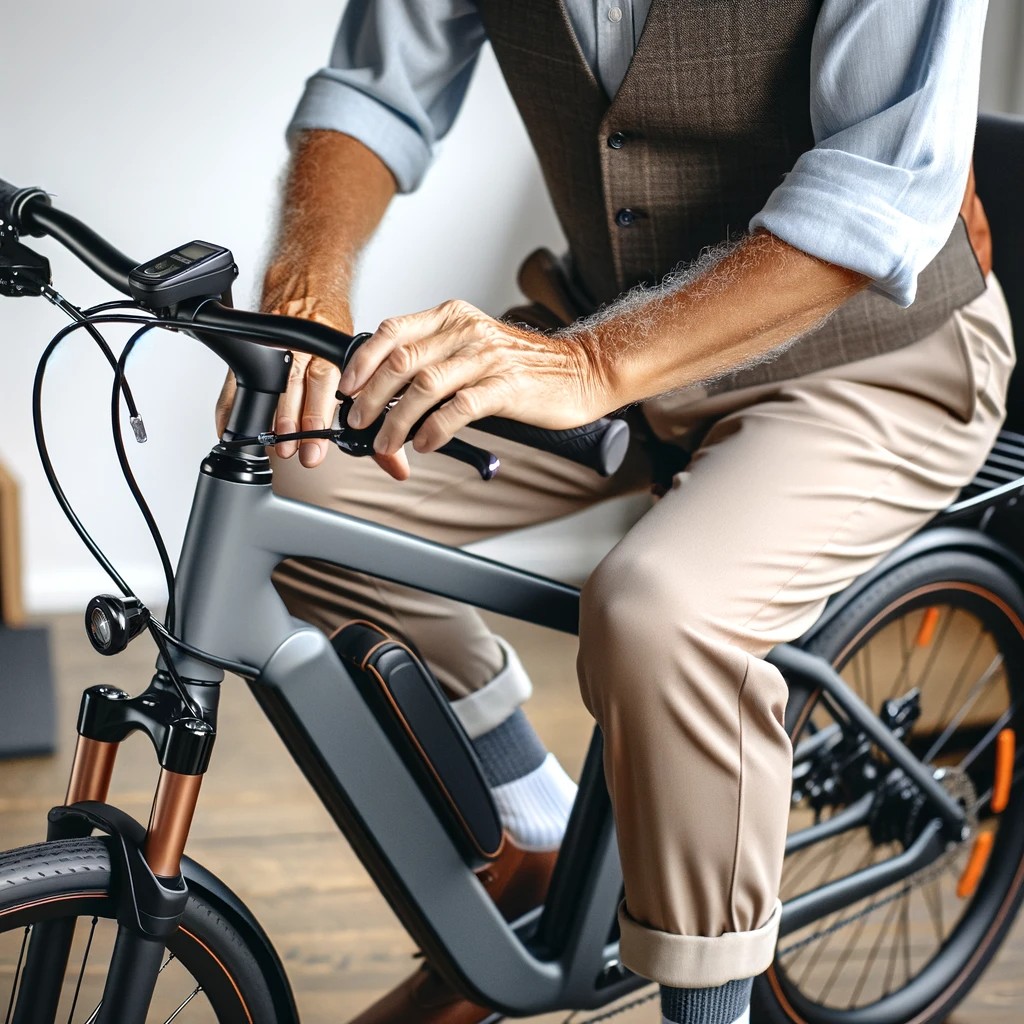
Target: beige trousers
x=794 y=490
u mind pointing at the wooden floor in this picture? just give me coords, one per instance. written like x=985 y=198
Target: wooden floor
x=260 y=829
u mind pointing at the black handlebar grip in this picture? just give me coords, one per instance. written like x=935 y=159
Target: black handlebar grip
x=600 y=445
x=12 y=202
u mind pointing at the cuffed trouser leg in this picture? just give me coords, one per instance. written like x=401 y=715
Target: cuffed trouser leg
x=795 y=490
x=444 y=501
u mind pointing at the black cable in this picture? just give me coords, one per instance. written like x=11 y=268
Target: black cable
x=162 y=636
x=158 y=638
x=104 y=307
x=269 y=439
x=129 y=476
x=238 y=667
x=44 y=455
x=83 y=319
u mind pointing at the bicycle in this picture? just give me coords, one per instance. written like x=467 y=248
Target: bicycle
x=883 y=764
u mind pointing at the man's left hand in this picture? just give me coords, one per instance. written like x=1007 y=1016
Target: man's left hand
x=482 y=366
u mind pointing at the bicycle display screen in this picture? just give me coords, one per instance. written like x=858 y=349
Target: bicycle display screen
x=191 y=271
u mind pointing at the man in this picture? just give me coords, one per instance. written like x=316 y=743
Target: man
x=829 y=413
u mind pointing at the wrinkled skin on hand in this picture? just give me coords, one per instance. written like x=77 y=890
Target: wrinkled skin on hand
x=475 y=366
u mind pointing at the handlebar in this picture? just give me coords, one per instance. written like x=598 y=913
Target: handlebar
x=600 y=446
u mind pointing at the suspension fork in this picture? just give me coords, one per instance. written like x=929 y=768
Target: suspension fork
x=150 y=891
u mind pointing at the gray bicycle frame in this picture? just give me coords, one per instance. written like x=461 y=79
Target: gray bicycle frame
x=238 y=531
x=237 y=534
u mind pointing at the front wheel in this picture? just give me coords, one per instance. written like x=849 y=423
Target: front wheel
x=936 y=648
x=207 y=973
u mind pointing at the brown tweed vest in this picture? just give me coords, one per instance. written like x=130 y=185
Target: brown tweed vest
x=713 y=111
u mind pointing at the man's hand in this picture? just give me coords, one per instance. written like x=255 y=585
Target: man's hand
x=309 y=403
x=477 y=367
x=336 y=193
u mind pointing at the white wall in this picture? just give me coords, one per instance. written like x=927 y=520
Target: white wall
x=1002 y=72
x=158 y=127
x=155 y=130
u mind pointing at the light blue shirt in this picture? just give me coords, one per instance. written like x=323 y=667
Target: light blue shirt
x=893 y=103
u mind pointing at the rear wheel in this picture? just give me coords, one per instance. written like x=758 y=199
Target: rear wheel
x=937 y=649
x=207 y=974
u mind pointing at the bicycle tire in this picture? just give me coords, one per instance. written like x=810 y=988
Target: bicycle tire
x=984 y=590
x=72 y=878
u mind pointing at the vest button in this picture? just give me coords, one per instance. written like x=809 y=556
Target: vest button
x=624 y=218
x=616 y=140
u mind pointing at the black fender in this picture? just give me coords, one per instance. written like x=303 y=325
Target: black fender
x=81 y=819
x=952 y=539
x=209 y=888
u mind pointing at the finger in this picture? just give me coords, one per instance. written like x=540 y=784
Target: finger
x=391 y=334
x=396 y=465
x=431 y=385
x=225 y=403
x=465 y=407
x=289 y=405
x=318 y=408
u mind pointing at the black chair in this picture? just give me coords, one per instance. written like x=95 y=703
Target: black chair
x=999 y=170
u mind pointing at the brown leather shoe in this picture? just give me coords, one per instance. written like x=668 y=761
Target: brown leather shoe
x=517 y=881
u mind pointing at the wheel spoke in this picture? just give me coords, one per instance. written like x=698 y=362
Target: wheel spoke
x=820 y=947
x=842 y=960
x=975 y=692
x=870 y=962
x=907 y=652
x=81 y=972
x=933 y=900
x=1018 y=774
x=937 y=644
x=17 y=974
x=957 y=685
x=836 y=854
x=195 y=992
x=972 y=755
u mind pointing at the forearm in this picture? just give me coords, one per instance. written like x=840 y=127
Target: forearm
x=336 y=193
x=730 y=312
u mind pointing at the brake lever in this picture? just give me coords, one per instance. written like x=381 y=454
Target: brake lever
x=484 y=462
x=359 y=442
x=22 y=271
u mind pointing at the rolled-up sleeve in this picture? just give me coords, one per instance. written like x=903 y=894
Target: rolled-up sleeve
x=894 y=101
x=397 y=77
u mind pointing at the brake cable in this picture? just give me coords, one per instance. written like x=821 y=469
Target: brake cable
x=162 y=635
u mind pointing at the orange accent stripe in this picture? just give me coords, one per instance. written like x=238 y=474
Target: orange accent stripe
x=1006 y=752
x=217 y=960
x=52 y=899
x=93 y=895
x=975 y=866
x=926 y=631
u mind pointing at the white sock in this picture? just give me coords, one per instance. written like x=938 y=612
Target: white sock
x=535 y=808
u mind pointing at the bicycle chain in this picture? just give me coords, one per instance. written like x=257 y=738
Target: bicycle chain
x=921 y=877
x=959 y=785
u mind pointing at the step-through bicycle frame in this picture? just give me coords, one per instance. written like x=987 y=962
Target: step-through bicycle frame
x=238 y=532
